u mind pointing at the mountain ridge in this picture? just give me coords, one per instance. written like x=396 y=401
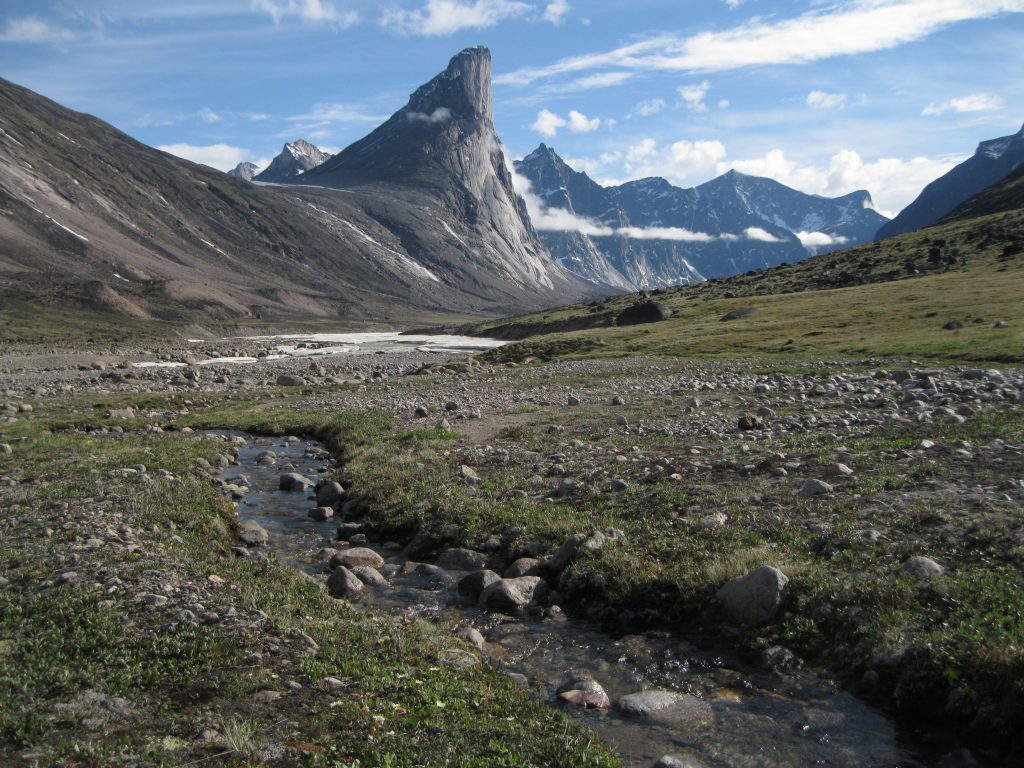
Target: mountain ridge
x=991 y=161
x=648 y=233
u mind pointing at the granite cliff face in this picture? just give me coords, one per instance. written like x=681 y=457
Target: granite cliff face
x=651 y=234
x=992 y=161
x=435 y=175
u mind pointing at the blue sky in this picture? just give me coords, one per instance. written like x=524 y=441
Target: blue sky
x=826 y=97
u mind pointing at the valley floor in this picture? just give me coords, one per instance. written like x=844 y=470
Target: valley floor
x=131 y=633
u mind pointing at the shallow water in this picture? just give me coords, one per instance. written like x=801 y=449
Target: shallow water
x=749 y=717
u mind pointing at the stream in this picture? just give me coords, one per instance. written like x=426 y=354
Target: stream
x=745 y=716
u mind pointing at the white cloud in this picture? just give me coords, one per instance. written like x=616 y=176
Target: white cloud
x=842 y=29
x=825 y=100
x=675 y=162
x=316 y=11
x=647 y=108
x=602 y=80
x=665 y=233
x=723 y=103
x=893 y=182
x=693 y=95
x=815 y=240
x=444 y=17
x=207 y=115
x=30 y=29
x=580 y=123
x=974 y=102
x=547 y=123
x=760 y=235
x=257 y=117
x=223 y=157
x=439 y=115
x=556 y=11
x=324 y=113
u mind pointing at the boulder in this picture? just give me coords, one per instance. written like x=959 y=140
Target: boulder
x=293 y=481
x=349 y=558
x=253 y=534
x=344 y=583
x=328 y=494
x=922 y=568
x=471 y=585
x=755 y=598
x=511 y=596
x=643 y=312
x=457 y=559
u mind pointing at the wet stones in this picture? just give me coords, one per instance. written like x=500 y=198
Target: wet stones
x=321 y=513
x=755 y=598
x=293 y=481
x=329 y=494
x=461 y=559
x=582 y=690
x=472 y=585
x=349 y=558
x=511 y=596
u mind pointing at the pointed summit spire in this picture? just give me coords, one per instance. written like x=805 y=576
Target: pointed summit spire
x=463 y=89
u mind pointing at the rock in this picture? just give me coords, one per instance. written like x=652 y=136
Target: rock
x=444 y=425
x=755 y=598
x=289 y=380
x=321 y=513
x=646 y=703
x=561 y=557
x=471 y=585
x=572 y=400
x=953 y=325
x=350 y=558
x=293 y=481
x=329 y=494
x=736 y=314
x=583 y=691
x=421 y=544
x=524 y=566
x=458 y=658
x=5 y=449
x=618 y=400
x=678 y=760
x=922 y=568
x=472 y=636
x=815 y=488
x=644 y=312
x=421 y=412
x=511 y=596
x=468 y=474
x=253 y=534
x=347 y=530
x=343 y=583
x=461 y=559
x=451 y=406
x=566 y=488
x=370 y=576
x=749 y=421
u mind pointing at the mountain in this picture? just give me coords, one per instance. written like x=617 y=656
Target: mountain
x=295 y=159
x=992 y=161
x=97 y=225
x=650 y=234
x=435 y=175
x=1007 y=194
x=244 y=171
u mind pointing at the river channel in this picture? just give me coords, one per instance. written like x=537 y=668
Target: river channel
x=745 y=716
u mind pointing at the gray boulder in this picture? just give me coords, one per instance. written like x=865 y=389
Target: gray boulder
x=253 y=534
x=350 y=558
x=511 y=596
x=922 y=568
x=329 y=494
x=471 y=585
x=344 y=583
x=755 y=598
x=457 y=559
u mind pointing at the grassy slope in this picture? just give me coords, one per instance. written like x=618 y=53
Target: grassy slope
x=61 y=644
x=865 y=301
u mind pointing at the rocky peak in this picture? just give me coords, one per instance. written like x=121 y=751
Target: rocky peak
x=463 y=90
x=244 y=171
x=296 y=158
